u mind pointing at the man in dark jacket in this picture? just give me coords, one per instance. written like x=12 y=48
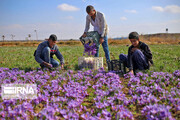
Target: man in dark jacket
x=46 y=50
x=139 y=55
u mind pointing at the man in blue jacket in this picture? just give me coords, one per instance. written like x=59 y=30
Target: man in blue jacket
x=139 y=55
x=46 y=50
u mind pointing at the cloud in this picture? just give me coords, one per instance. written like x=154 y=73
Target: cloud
x=66 y=7
x=131 y=11
x=169 y=8
x=158 y=8
x=123 y=18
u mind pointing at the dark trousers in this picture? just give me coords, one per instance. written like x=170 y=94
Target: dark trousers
x=139 y=61
x=46 y=57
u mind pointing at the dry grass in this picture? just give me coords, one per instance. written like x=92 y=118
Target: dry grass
x=19 y=43
x=36 y=43
x=118 y=42
x=149 y=39
x=69 y=43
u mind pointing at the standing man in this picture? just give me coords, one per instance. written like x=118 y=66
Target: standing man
x=46 y=50
x=97 y=20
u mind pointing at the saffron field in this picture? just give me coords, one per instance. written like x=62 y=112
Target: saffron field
x=94 y=95
x=166 y=57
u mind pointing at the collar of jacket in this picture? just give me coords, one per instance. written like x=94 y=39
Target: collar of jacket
x=139 y=45
x=49 y=45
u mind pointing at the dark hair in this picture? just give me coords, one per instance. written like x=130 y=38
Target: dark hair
x=89 y=8
x=53 y=37
x=134 y=35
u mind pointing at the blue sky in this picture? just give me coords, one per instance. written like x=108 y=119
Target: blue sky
x=66 y=18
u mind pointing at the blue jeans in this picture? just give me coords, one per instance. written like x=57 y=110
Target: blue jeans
x=105 y=48
x=46 y=57
x=139 y=60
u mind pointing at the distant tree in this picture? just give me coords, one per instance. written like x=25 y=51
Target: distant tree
x=12 y=36
x=36 y=34
x=29 y=35
x=166 y=30
x=3 y=37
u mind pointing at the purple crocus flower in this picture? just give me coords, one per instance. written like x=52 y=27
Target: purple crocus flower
x=90 y=49
x=157 y=112
x=86 y=115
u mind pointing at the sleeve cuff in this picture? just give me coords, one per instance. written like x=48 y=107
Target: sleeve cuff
x=102 y=36
x=130 y=68
x=41 y=62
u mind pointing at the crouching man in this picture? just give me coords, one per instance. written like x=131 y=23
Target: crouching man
x=139 y=55
x=46 y=50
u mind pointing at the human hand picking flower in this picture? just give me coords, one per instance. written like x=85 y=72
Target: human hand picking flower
x=131 y=72
x=84 y=35
x=101 y=40
x=134 y=49
x=48 y=65
x=62 y=66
